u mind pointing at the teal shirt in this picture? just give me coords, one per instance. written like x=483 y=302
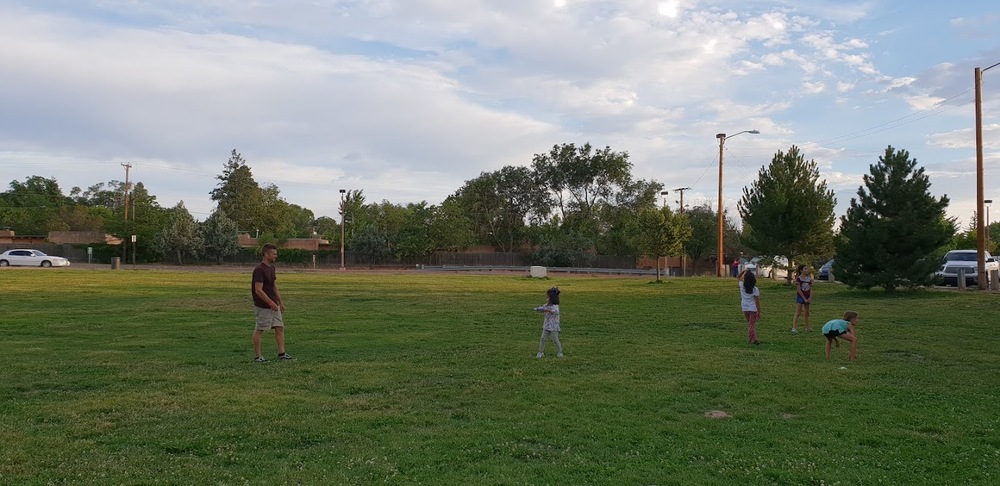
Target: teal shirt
x=836 y=325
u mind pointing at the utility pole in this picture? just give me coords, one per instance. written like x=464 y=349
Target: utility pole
x=127 y=167
x=683 y=253
x=681 y=190
x=343 y=217
x=980 y=190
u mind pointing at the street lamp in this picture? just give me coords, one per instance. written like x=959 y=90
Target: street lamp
x=987 y=202
x=343 y=215
x=664 y=195
x=683 y=253
x=980 y=227
x=722 y=140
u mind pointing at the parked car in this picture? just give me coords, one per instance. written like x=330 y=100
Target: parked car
x=824 y=271
x=769 y=267
x=967 y=260
x=31 y=258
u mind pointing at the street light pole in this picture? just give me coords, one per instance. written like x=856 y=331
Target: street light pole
x=343 y=216
x=683 y=253
x=988 y=202
x=721 y=261
x=980 y=227
x=664 y=195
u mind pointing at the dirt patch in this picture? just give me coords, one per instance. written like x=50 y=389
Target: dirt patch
x=716 y=414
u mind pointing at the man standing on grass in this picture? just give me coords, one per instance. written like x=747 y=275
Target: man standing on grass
x=267 y=304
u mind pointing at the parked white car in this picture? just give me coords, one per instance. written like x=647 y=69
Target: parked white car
x=964 y=259
x=769 y=267
x=31 y=258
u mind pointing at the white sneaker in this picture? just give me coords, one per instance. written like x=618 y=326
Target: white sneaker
x=560 y=355
x=795 y=331
x=540 y=355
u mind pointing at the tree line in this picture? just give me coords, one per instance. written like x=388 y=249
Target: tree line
x=565 y=207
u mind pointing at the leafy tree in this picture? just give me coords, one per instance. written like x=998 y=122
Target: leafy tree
x=660 y=232
x=968 y=238
x=33 y=207
x=895 y=232
x=412 y=240
x=788 y=210
x=180 y=239
x=356 y=215
x=580 y=180
x=703 y=244
x=328 y=229
x=450 y=229
x=558 y=248
x=79 y=218
x=281 y=219
x=35 y=192
x=500 y=203
x=302 y=220
x=219 y=236
x=617 y=215
x=993 y=233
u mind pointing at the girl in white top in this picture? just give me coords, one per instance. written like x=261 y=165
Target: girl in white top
x=750 y=303
x=550 y=326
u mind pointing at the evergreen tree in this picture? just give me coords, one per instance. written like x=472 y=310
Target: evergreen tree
x=239 y=195
x=895 y=231
x=180 y=238
x=788 y=211
x=219 y=236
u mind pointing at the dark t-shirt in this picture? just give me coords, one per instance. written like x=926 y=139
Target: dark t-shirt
x=266 y=274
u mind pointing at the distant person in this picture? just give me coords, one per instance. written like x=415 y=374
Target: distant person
x=803 y=296
x=842 y=329
x=550 y=324
x=750 y=303
x=735 y=268
x=267 y=304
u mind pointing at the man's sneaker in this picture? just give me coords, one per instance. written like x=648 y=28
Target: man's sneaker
x=540 y=355
x=260 y=359
x=560 y=355
x=285 y=356
x=795 y=331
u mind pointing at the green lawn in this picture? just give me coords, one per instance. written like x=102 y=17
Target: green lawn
x=145 y=377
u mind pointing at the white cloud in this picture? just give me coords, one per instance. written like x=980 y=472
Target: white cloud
x=407 y=100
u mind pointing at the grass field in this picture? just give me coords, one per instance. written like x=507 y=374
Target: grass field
x=145 y=377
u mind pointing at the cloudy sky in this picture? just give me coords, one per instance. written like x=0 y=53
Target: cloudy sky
x=408 y=99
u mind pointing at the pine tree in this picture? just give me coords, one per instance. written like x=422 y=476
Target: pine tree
x=219 y=236
x=788 y=211
x=895 y=231
x=239 y=195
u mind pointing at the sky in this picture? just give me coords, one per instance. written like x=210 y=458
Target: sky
x=406 y=100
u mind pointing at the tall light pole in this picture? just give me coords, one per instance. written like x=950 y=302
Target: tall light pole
x=980 y=227
x=722 y=141
x=127 y=166
x=683 y=253
x=988 y=202
x=343 y=217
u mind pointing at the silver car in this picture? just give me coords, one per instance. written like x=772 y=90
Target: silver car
x=31 y=258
